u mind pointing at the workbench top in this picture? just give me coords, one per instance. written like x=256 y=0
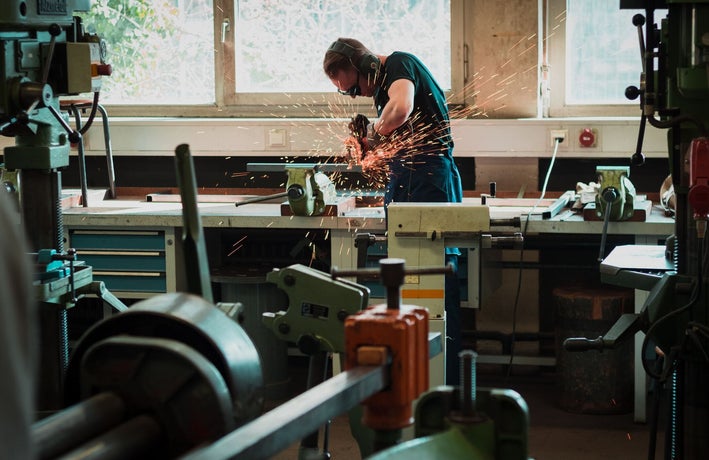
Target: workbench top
x=137 y=211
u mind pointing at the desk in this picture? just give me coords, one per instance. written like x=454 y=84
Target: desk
x=137 y=214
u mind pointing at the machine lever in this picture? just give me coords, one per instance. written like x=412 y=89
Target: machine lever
x=74 y=135
x=626 y=326
x=638 y=158
x=583 y=344
x=392 y=274
x=639 y=22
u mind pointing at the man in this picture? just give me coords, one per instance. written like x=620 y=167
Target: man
x=411 y=137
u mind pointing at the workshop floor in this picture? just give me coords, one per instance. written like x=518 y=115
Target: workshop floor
x=554 y=434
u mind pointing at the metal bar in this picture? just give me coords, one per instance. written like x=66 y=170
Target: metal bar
x=66 y=429
x=320 y=167
x=519 y=360
x=139 y=437
x=258 y=199
x=82 y=157
x=291 y=421
x=560 y=203
x=99 y=289
x=193 y=244
x=109 y=151
x=342 y=273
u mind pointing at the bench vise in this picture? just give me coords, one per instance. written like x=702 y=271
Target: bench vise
x=317 y=308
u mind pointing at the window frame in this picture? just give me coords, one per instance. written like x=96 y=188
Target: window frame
x=555 y=65
x=229 y=104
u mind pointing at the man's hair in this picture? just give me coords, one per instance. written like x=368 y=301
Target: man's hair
x=334 y=61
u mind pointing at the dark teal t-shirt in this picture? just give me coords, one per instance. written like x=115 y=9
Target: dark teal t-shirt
x=425 y=171
x=430 y=113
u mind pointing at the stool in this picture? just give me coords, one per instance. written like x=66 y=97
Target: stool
x=74 y=107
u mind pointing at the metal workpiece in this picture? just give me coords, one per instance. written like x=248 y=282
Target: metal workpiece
x=77 y=424
x=280 y=427
x=318 y=167
x=193 y=244
x=317 y=307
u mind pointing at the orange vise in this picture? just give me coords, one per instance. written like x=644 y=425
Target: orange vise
x=396 y=335
x=380 y=335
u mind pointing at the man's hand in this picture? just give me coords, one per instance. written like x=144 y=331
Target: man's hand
x=374 y=139
x=358 y=126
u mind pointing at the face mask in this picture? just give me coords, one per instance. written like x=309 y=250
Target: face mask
x=353 y=90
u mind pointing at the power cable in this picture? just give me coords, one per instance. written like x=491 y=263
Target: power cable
x=557 y=141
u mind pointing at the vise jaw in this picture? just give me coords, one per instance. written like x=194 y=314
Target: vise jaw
x=317 y=308
x=616 y=195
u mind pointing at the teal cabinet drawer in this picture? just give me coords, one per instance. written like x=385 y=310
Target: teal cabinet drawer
x=121 y=260
x=131 y=261
x=118 y=240
x=133 y=282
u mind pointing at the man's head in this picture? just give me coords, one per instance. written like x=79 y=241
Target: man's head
x=351 y=67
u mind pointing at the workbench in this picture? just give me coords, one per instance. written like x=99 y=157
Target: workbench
x=136 y=216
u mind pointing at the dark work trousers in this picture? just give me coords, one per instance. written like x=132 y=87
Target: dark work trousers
x=454 y=330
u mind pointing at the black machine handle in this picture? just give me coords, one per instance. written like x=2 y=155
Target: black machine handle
x=584 y=344
x=625 y=327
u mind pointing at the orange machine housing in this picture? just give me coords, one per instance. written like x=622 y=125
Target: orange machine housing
x=404 y=333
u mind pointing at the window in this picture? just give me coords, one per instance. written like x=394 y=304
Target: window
x=281 y=43
x=161 y=51
x=593 y=44
x=254 y=57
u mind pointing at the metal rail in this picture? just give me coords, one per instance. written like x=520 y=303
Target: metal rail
x=279 y=428
x=318 y=167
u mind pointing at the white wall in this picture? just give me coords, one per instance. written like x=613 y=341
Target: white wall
x=473 y=138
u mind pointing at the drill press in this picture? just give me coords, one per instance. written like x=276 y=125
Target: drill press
x=45 y=53
x=674 y=95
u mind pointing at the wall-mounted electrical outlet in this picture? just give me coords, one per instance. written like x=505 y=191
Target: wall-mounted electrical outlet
x=555 y=134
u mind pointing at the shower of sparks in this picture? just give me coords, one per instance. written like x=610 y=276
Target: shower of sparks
x=236 y=246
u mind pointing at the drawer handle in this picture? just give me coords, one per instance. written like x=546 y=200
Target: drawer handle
x=114 y=232
x=120 y=253
x=143 y=274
